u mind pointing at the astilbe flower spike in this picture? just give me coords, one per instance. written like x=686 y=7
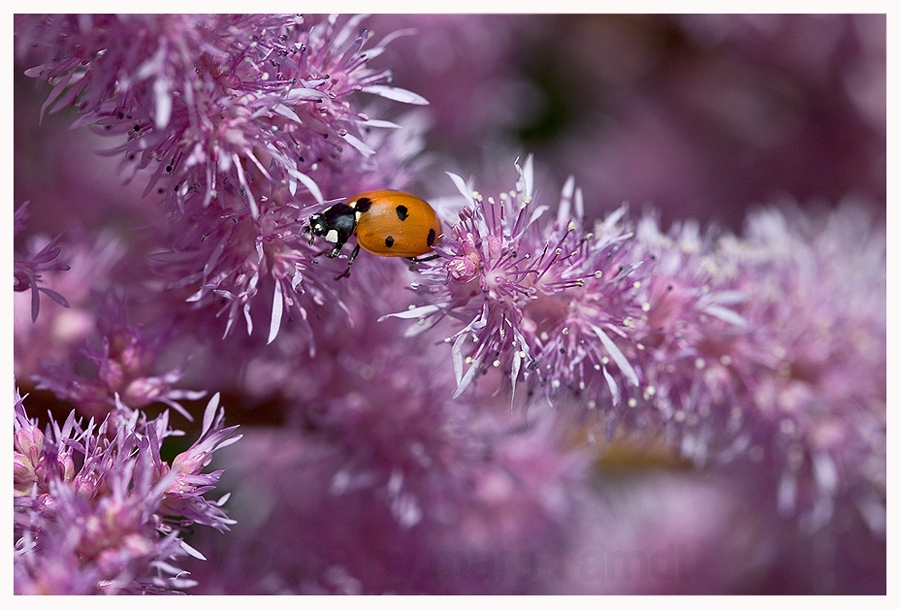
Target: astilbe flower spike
x=814 y=366
x=207 y=100
x=238 y=122
x=741 y=351
x=674 y=333
x=98 y=511
x=523 y=287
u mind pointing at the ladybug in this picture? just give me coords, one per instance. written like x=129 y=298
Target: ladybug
x=385 y=222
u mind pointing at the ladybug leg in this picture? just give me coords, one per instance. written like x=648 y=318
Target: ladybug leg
x=353 y=255
x=416 y=260
x=350 y=260
x=332 y=253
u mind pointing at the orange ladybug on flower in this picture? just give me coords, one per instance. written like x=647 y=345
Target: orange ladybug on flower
x=385 y=222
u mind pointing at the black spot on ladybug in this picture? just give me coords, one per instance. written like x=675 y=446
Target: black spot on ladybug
x=389 y=241
x=431 y=237
x=402 y=212
x=363 y=204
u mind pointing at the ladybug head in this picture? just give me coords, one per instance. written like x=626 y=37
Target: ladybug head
x=336 y=225
x=317 y=227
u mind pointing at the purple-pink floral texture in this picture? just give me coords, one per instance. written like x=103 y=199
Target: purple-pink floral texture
x=648 y=355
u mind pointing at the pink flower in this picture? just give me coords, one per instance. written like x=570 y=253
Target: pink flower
x=735 y=350
x=98 y=511
x=238 y=123
x=212 y=103
x=26 y=273
x=450 y=425
x=124 y=362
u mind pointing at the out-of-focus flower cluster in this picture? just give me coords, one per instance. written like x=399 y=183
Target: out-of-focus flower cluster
x=574 y=395
x=26 y=273
x=694 y=116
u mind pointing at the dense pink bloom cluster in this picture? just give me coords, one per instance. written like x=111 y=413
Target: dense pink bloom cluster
x=229 y=119
x=571 y=395
x=212 y=99
x=718 y=342
x=98 y=511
